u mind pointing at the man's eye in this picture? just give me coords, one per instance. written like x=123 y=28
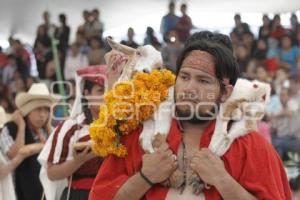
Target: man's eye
x=183 y=77
x=203 y=81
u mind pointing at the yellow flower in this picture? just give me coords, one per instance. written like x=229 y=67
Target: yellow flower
x=125 y=106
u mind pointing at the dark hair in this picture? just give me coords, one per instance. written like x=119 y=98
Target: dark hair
x=225 y=64
x=63 y=18
x=88 y=85
x=210 y=36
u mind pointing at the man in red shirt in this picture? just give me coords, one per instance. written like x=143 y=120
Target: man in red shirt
x=250 y=169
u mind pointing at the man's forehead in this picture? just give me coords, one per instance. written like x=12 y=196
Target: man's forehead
x=200 y=60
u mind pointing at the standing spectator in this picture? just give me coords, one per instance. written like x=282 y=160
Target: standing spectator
x=93 y=26
x=75 y=59
x=240 y=27
x=22 y=57
x=169 y=21
x=130 y=41
x=184 y=24
x=151 y=39
x=96 y=54
x=43 y=54
x=41 y=36
x=82 y=42
x=63 y=33
x=81 y=28
x=98 y=24
x=171 y=50
x=49 y=28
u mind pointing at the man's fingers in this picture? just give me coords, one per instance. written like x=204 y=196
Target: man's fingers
x=163 y=147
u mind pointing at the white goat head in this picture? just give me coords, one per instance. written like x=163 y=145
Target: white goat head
x=143 y=59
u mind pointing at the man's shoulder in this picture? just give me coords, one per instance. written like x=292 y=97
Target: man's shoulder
x=253 y=143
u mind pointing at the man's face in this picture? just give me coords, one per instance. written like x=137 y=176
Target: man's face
x=95 y=97
x=197 y=90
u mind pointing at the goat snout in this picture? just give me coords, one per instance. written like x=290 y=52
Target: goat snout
x=146 y=71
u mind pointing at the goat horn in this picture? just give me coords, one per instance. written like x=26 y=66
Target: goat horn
x=120 y=47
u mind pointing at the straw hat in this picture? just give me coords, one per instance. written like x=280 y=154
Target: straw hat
x=4 y=117
x=37 y=96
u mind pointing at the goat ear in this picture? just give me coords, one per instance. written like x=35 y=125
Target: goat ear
x=120 y=47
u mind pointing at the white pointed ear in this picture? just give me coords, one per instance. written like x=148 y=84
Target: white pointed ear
x=120 y=47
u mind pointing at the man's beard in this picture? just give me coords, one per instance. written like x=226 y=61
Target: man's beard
x=199 y=118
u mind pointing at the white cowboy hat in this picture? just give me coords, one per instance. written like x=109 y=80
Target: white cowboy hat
x=37 y=96
x=4 y=117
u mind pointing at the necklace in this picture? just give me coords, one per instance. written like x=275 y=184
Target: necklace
x=184 y=160
x=195 y=181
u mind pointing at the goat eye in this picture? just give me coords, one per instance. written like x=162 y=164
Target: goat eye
x=138 y=53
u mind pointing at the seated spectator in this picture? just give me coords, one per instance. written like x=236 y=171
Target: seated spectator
x=285 y=123
x=280 y=80
x=260 y=52
x=31 y=125
x=130 y=41
x=249 y=41
x=264 y=30
x=288 y=54
x=242 y=57
x=240 y=27
x=294 y=81
x=262 y=74
x=277 y=29
x=74 y=60
x=96 y=53
x=264 y=129
x=7 y=190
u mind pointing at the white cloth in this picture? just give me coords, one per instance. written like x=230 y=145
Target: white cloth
x=53 y=189
x=7 y=190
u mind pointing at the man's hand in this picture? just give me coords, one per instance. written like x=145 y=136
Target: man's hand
x=208 y=166
x=159 y=165
x=18 y=119
x=83 y=156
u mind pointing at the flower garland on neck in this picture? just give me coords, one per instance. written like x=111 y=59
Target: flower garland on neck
x=125 y=106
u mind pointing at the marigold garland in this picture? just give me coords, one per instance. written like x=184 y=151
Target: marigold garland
x=125 y=107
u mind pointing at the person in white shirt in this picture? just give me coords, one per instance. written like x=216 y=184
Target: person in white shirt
x=74 y=61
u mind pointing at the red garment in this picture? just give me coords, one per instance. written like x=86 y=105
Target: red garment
x=251 y=160
x=82 y=184
x=277 y=33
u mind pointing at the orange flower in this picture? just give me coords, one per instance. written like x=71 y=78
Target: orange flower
x=125 y=106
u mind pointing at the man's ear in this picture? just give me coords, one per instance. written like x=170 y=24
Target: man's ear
x=226 y=93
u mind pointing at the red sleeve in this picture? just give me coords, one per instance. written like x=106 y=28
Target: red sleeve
x=262 y=171
x=110 y=178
